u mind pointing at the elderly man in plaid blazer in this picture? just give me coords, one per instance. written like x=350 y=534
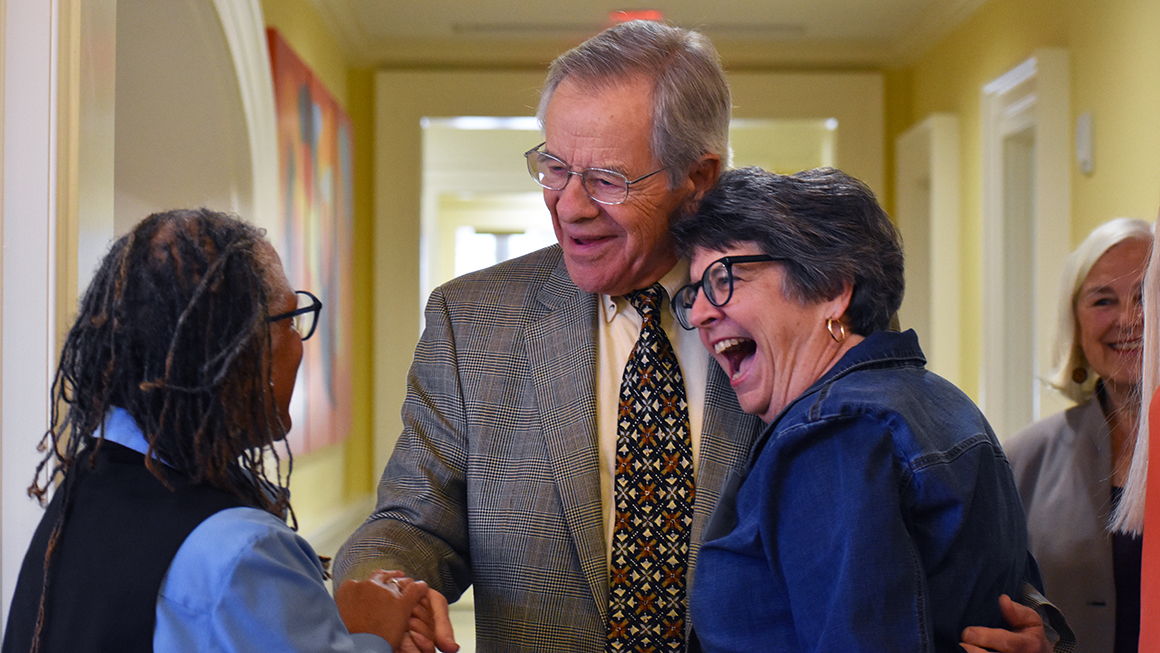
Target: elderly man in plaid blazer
x=502 y=477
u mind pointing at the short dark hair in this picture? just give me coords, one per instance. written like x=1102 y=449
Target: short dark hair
x=827 y=226
x=691 y=103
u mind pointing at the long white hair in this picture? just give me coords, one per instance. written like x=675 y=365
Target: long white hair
x=1129 y=515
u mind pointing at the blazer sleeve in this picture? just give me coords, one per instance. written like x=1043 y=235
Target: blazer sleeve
x=420 y=521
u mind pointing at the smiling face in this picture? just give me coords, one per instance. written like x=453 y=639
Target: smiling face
x=772 y=347
x=619 y=248
x=1109 y=315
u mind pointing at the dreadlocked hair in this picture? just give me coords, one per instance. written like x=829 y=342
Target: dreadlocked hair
x=173 y=329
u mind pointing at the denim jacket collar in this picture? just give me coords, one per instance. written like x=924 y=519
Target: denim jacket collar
x=881 y=349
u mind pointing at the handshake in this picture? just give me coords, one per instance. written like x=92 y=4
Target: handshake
x=407 y=613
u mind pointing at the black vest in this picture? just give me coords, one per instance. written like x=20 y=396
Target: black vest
x=122 y=530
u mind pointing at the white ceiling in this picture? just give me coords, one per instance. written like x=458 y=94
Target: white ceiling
x=755 y=32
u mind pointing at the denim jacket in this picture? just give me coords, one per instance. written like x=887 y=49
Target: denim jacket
x=878 y=513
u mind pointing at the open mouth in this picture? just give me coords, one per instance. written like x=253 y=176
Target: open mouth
x=589 y=240
x=735 y=351
x=1129 y=345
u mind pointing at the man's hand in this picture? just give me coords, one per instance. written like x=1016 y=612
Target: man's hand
x=1026 y=634
x=381 y=605
x=429 y=626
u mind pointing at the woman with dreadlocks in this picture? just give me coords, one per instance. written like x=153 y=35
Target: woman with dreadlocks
x=164 y=532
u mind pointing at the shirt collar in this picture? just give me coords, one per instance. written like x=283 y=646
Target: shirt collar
x=674 y=280
x=120 y=427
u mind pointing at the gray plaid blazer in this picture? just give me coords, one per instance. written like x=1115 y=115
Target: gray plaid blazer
x=494 y=481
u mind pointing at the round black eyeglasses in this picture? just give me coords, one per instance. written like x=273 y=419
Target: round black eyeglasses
x=716 y=281
x=305 y=317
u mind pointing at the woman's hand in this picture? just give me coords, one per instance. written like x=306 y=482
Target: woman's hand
x=382 y=605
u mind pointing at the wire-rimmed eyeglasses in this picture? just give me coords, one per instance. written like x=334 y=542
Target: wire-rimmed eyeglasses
x=717 y=282
x=305 y=317
x=604 y=186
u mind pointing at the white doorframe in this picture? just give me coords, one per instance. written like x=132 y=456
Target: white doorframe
x=245 y=34
x=28 y=197
x=927 y=212
x=1032 y=101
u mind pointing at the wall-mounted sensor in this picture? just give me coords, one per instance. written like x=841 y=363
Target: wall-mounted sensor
x=1083 y=143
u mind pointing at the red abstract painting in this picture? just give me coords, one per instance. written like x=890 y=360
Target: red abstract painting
x=316 y=158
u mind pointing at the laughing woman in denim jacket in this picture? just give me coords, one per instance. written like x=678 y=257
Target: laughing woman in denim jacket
x=878 y=511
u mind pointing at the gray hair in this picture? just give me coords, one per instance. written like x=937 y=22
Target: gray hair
x=1067 y=354
x=691 y=103
x=826 y=225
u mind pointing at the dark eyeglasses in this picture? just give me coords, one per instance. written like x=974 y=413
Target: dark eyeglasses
x=305 y=317
x=604 y=186
x=717 y=282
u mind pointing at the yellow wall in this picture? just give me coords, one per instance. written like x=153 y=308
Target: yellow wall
x=299 y=23
x=1115 y=75
x=325 y=482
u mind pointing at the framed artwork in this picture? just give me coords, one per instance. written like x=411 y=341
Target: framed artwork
x=315 y=171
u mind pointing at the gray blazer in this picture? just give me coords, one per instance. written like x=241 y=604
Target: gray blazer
x=1063 y=467
x=495 y=480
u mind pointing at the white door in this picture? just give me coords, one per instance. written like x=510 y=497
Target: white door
x=1026 y=235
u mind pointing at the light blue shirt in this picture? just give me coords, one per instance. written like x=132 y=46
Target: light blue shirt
x=243 y=581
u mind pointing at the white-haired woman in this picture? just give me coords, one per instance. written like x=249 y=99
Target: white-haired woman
x=1071 y=467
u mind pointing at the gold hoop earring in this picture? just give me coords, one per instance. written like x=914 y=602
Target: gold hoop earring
x=841 y=334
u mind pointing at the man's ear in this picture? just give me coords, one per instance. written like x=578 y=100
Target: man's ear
x=704 y=174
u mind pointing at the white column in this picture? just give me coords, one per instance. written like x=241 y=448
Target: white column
x=27 y=210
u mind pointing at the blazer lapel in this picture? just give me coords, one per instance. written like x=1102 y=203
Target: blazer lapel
x=562 y=362
x=727 y=436
x=1094 y=460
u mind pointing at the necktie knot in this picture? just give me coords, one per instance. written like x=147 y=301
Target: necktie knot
x=647 y=301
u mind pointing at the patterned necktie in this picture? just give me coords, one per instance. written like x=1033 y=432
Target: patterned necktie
x=653 y=493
